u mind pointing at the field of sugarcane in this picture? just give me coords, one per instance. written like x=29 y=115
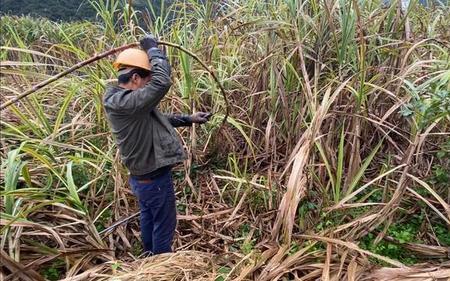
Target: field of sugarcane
x=332 y=164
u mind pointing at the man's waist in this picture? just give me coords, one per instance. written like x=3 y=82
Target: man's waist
x=152 y=175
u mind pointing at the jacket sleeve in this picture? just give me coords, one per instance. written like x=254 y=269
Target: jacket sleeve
x=178 y=120
x=148 y=97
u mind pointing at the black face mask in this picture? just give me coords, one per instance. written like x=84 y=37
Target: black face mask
x=126 y=77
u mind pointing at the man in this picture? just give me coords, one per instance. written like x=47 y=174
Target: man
x=147 y=141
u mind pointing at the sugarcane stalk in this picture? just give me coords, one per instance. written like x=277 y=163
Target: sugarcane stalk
x=108 y=53
x=64 y=73
x=115 y=225
x=208 y=69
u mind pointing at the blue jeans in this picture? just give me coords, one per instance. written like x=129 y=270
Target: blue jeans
x=158 y=212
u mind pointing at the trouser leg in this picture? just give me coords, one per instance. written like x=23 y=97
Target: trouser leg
x=164 y=218
x=147 y=226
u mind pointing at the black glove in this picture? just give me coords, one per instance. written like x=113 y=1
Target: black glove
x=148 y=42
x=200 y=117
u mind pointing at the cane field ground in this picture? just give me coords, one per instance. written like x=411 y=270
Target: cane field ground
x=327 y=157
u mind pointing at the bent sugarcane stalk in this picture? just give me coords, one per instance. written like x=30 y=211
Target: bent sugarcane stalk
x=110 y=52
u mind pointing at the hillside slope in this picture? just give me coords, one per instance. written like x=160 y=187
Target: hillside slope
x=66 y=10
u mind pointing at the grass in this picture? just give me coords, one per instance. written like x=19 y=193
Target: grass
x=334 y=157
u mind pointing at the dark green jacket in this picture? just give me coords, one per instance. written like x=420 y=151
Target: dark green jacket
x=146 y=138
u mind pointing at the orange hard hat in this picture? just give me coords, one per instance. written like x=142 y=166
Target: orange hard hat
x=133 y=58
